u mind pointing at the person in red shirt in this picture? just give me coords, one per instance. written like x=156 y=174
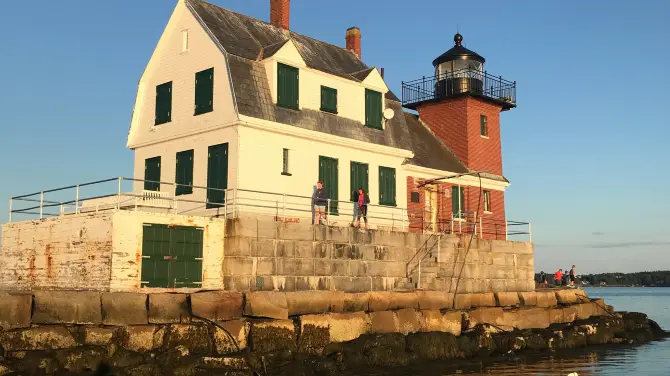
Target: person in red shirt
x=362 y=203
x=558 y=277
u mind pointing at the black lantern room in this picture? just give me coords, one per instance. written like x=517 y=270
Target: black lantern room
x=458 y=72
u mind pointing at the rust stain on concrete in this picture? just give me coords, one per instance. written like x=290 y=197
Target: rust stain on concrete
x=49 y=258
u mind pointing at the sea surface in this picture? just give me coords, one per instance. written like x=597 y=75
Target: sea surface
x=651 y=359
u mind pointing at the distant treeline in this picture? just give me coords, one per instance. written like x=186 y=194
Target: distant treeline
x=657 y=278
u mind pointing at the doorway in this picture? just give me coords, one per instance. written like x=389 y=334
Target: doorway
x=430 y=209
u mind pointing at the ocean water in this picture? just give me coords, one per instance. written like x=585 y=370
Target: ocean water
x=651 y=359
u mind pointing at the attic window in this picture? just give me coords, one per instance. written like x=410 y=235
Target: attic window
x=184 y=40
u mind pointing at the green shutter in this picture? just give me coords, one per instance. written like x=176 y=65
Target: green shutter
x=328 y=99
x=387 y=186
x=287 y=86
x=152 y=174
x=328 y=174
x=454 y=201
x=171 y=256
x=163 y=103
x=483 y=125
x=373 y=109
x=204 y=91
x=359 y=178
x=184 y=173
x=217 y=175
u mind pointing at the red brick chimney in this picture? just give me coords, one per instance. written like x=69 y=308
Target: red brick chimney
x=354 y=40
x=280 y=13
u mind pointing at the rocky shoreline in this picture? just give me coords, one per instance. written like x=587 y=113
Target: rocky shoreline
x=302 y=333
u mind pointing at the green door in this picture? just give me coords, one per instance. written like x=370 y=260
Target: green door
x=152 y=174
x=457 y=201
x=328 y=175
x=217 y=175
x=171 y=256
x=359 y=178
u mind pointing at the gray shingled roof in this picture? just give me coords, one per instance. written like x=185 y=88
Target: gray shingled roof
x=252 y=91
x=247 y=40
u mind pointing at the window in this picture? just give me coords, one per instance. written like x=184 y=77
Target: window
x=387 y=186
x=204 y=91
x=483 y=126
x=373 y=109
x=328 y=99
x=487 y=201
x=152 y=174
x=217 y=175
x=184 y=173
x=415 y=197
x=285 y=163
x=457 y=201
x=287 y=86
x=163 y=103
x=184 y=40
x=359 y=178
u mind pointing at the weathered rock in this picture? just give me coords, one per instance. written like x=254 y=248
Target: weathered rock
x=380 y=301
x=373 y=350
x=39 y=338
x=270 y=304
x=348 y=326
x=168 y=309
x=195 y=338
x=483 y=300
x=228 y=363
x=435 y=300
x=15 y=310
x=546 y=299
x=98 y=336
x=436 y=321
x=533 y=318
x=308 y=302
x=476 y=341
x=507 y=299
x=528 y=299
x=142 y=338
x=238 y=329
x=81 y=359
x=383 y=322
x=492 y=316
x=5 y=370
x=314 y=334
x=67 y=307
x=433 y=345
x=570 y=296
x=402 y=300
x=121 y=309
x=408 y=321
x=555 y=315
x=218 y=305
x=356 y=302
x=463 y=301
x=270 y=336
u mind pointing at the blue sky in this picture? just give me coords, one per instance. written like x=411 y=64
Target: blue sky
x=586 y=149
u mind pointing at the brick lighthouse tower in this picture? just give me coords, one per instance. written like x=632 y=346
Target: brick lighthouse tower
x=461 y=104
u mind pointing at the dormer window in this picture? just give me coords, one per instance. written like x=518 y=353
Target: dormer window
x=287 y=86
x=373 y=109
x=328 y=99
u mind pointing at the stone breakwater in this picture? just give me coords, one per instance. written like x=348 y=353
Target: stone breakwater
x=316 y=332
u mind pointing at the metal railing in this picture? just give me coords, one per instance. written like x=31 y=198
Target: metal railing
x=452 y=84
x=129 y=194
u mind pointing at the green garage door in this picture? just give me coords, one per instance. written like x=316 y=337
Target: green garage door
x=171 y=256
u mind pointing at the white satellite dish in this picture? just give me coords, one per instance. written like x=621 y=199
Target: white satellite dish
x=389 y=114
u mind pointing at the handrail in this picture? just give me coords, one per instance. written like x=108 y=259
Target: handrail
x=238 y=201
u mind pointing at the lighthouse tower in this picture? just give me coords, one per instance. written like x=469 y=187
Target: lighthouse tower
x=461 y=103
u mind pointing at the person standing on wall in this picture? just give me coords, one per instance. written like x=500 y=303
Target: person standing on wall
x=362 y=206
x=558 y=277
x=320 y=203
x=573 y=275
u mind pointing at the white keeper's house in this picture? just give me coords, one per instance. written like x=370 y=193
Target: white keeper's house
x=235 y=109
